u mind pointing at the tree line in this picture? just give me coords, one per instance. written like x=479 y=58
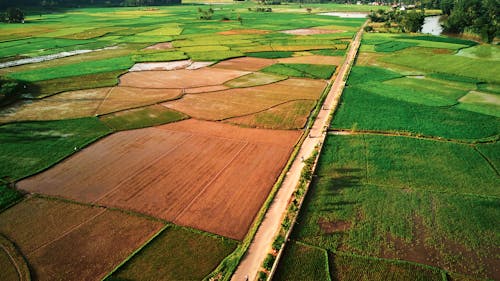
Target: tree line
x=475 y=16
x=79 y=3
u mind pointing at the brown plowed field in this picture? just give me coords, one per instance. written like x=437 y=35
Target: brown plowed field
x=310 y=31
x=66 y=241
x=173 y=171
x=120 y=98
x=289 y=116
x=179 y=79
x=243 y=101
x=313 y=60
x=245 y=63
x=206 y=89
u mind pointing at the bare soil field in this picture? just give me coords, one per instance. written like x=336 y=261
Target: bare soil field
x=310 y=31
x=67 y=105
x=245 y=63
x=313 y=60
x=120 y=98
x=160 y=46
x=243 y=31
x=179 y=79
x=179 y=172
x=12 y=263
x=66 y=241
x=289 y=116
x=244 y=101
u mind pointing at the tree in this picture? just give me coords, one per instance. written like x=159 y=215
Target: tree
x=13 y=15
x=412 y=21
x=478 y=16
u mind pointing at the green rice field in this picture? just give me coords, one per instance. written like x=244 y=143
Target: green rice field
x=406 y=186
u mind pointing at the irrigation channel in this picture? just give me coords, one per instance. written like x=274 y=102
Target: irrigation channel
x=261 y=244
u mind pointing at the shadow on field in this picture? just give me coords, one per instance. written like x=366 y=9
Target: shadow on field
x=23 y=133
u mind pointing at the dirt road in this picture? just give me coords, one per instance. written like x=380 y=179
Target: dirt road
x=261 y=244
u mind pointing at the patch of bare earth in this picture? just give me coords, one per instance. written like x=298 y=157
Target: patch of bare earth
x=206 y=175
x=310 y=31
x=243 y=31
x=160 y=46
x=329 y=227
x=245 y=64
x=179 y=79
x=444 y=253
x=244 y=101
x=66 y=241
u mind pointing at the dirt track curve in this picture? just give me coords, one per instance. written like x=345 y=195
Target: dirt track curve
x=261 y=244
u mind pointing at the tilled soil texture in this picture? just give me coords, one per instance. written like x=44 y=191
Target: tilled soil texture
x=201 y=174
x=310 y=31
x=245 y=63
x=179 y=79
x=66 y=241
x=244 y=101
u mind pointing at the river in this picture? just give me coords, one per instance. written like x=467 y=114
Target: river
x=432 y=26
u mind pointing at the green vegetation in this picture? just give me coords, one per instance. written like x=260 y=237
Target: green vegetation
x=142 y=117
x=372 y=201
x=415 y=180
x=427 y=60
x=362 y=109
x=329 y=52
x=477 y=16
x=30 y=147
x=176 y=253
x=364 y=74
x=77 y=69
x=351 y=267
x=159 y=57
x=314 y=71
x=12 y=15
x=302 y=262
x=254 y=79
x=270 y=54
x=8 y=196
x=45 y=88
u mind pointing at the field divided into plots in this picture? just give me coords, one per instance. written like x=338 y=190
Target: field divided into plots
x=98 y=147
x=179 y=172
x=406 y=184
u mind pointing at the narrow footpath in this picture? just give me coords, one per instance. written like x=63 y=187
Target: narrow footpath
x=261 y=244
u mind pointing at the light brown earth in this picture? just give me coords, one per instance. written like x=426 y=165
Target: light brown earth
x=310 y=31
x=243 y=31
x=120 y=98
x=288 y=116
x=179 y=79
x=67 y=105
x=245 y=64
x=181 y=172
x=66 y=241
x=243 y=101
x=160 y=46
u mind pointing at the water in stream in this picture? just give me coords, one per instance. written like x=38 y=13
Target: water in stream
x=432 y=26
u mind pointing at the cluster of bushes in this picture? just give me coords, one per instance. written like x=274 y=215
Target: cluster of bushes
x=10 y=90
x=475 y=16
x=261 y=9
x=12 y=15
x=407 y=21
x=79 y=3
